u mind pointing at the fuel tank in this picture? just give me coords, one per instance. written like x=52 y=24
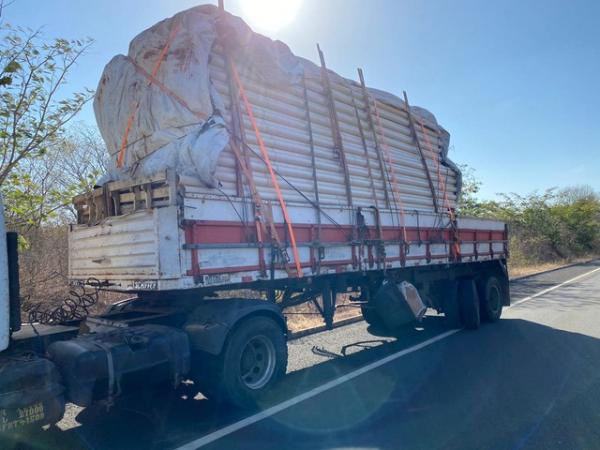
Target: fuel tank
x=103 y=366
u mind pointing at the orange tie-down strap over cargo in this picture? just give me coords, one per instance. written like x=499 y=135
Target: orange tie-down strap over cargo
x=392 y=172
x=267 y=159
x=136 y=105
x=436 y=158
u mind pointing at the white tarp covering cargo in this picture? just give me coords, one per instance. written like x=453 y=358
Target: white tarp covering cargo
x=168 y=105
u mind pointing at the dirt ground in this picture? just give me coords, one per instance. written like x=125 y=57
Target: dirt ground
x=522 y=271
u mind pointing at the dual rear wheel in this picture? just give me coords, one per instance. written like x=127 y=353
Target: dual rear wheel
x=466 y=303
x=253 y=359
x=470 y=302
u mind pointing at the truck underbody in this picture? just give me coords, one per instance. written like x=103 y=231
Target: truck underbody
x=234 y=349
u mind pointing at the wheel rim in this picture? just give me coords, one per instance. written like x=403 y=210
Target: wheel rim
x=257 y=362
x=494 y=299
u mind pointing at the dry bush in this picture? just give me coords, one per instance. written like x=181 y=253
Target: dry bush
x=43 y=269
x=43 y=260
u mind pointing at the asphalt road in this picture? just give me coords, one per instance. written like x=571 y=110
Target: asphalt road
x=530 y=381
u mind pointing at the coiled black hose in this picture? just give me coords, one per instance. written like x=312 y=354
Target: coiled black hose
x=74 y=307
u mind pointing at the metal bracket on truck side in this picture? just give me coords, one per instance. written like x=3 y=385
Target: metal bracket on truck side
x=212 y=320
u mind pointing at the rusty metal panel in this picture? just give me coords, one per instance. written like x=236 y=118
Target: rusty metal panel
x=120 y=247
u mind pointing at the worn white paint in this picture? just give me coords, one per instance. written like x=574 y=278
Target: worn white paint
x=135 y=249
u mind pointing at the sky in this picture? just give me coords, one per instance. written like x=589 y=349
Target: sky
x=516 y=83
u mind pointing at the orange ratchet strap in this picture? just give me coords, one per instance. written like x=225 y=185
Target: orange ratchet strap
x=394 y=180
x=435 y=156
x=267 y=160
x=135 y=107
x=153 y=80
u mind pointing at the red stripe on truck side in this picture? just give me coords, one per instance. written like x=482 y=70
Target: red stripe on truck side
x=229 y=232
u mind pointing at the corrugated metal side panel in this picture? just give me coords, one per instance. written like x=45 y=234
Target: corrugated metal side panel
x=281 y=117
x=145 y=250
x=169 y=242
x=121 y=247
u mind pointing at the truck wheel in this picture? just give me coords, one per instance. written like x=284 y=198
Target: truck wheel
x=253 y=360
x=469 y=304
x=370 y=315
x=490 y=299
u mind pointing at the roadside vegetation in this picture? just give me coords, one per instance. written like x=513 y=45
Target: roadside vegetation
x=549 y=227
x=46 y=158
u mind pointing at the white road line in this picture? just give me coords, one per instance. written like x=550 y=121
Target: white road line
x=218 y=434
x=545 y=291
x=309 y=394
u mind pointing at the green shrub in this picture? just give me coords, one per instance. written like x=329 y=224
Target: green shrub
x=543 y=226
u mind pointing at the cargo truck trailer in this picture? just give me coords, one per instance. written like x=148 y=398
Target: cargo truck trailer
x=267 y=174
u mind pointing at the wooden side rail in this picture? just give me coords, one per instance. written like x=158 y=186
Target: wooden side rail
x=123 y=197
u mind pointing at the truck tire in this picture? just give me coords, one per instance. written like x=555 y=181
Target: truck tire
x=490 y=299
x=451 y=308
x=469 y=304
x=253 y=360
x=370 y=315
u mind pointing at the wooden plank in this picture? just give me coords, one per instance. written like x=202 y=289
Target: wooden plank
x=131 y=195
x=126 y=184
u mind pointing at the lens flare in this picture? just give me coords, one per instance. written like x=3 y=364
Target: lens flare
x=270 y=15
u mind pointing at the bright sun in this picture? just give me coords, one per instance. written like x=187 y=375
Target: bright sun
x=270 y=15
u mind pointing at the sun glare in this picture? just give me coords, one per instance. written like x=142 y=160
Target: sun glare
x=270 y=15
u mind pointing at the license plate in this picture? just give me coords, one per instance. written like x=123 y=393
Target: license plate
x=146 y=285
x=12 y=419
x=218 y=278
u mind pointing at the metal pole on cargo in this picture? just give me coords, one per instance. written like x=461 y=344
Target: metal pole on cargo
x=236 y=123
x=384 y=174
x=335 y=127
x=365 y=148
x=420 y=149
x=317 y=240
x=274 y=182
x=398 y=203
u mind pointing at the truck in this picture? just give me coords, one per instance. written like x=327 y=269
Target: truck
x=264 y=183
